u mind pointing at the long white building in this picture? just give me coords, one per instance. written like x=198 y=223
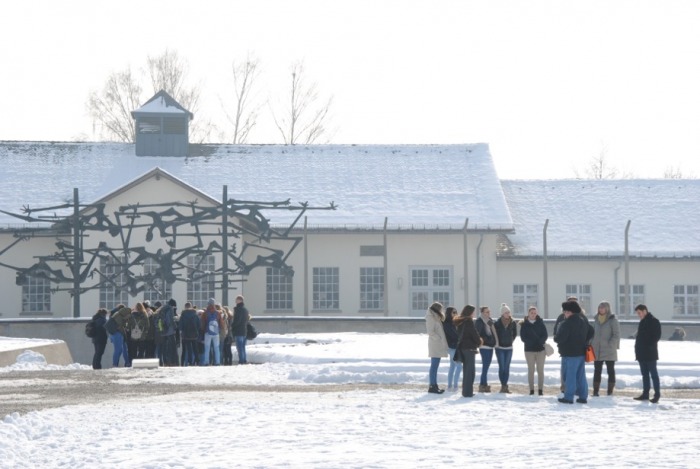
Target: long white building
x=413 y=224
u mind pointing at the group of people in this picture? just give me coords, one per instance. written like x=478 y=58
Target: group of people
x=460 y=336
x=205 y=336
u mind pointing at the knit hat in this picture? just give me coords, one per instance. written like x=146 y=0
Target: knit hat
x=504 y=308
x=572 y=306
x=172 y=302
x=211 y=302
x=436 y=307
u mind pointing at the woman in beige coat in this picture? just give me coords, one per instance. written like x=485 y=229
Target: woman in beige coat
x=437 y=343
x=606 y=341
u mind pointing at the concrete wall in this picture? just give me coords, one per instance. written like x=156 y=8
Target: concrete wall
x=71 y=331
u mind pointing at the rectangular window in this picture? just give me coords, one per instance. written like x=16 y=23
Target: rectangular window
x=583 y=293
x=524 y=296
x=429 y=284
x=372 y=288
x=201 y=283
x=113 y=289
x=371 y=251
x=636 y=297
x=36 y=295
x=149 y=125
x=686 y=300
x=156 y=288
x=278 y=289
x=174 y=125
x=326 y=288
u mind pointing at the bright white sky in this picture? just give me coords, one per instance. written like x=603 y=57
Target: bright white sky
x=548 y=84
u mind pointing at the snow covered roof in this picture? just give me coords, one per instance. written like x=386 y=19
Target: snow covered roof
x=162 y=103
x=590 y=216
x=414 y=185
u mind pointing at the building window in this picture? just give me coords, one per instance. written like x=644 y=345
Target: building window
x=686 y=300
x=113 y=289
x=149 y=125
x=372 y=288
x=156 y=288
x=278 y=289
x=636 y=297
x=200 y=279
x=524 y=296
x=583 y=293
x=174 y=126
x=36 y=295
x=326 y=285
x=429 y=284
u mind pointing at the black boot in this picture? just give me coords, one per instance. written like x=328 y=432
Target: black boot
x=433 y=389
x=596 y=388
x=540 y=393
x=611 y=386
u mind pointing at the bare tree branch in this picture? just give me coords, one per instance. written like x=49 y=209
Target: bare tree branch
x=111 y=108
x=245 y=75
x=303 y=120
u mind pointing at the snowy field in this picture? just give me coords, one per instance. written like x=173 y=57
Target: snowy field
x=392 y=422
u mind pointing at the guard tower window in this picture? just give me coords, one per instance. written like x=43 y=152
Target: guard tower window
x=149 y=125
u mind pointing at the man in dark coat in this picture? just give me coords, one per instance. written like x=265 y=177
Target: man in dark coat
x=573 y=335
x=100 y=338
x=646 y=352
x=239 y=328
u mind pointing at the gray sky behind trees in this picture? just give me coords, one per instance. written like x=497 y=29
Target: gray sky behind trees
x=550 y=85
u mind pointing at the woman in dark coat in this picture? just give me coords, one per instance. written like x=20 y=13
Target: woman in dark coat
x=533 y=333
x=469 y=343
x=100 y=339
x=239 y=328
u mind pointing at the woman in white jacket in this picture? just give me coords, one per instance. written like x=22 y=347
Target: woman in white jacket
x=437 y=343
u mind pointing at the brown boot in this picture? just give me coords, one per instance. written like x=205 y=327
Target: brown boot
x=596 y=388
x=611 y=386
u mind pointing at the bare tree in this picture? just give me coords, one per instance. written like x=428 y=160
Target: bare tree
x=111 y=108
x=303 y=120
x=245 y=75
x=168 y=71
x=676 y=173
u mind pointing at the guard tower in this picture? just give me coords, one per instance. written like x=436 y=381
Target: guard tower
x=162 y=127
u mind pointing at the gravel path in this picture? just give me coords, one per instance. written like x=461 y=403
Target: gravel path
x=24 y=391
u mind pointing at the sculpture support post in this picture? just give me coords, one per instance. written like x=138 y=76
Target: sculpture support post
x=224 y=248
x=77 y=251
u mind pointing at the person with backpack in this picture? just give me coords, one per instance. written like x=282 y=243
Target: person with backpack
x=189 y=326
x=139 y=325
x=212 y=324
x=116 y=328
x=239 y=328
x=99 y=337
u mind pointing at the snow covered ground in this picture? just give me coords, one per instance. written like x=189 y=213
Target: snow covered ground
x=370 y=426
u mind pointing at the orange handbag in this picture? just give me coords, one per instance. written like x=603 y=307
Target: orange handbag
x=590 y=354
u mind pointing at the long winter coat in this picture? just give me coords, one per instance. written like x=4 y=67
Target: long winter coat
x=573 y=336
x=646 y=346
x=437 y=342
x=533 y=334
x=469 y=339
x=240 y=320
x=606 y=339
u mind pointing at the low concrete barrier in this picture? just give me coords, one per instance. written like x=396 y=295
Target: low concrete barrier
x=71 y=330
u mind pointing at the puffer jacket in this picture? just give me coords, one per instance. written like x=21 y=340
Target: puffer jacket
x=606 y=339
x=506 y=332
x=437 y=342
x=533 y=334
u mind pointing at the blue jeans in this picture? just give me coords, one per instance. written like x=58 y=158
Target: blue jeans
x=455 y=370
x=575 y=377
x=434 y=364
x=504 y=355
x=486 y=357
x=648 y=368
x=211 y=341
x=240 y=348
x=119 y=349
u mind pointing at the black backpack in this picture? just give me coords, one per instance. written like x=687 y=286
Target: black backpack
x=91 y=328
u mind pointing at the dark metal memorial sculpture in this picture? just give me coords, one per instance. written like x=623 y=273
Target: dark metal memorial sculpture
x=164 y=235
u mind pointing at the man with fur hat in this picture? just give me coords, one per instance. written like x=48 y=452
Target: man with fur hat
x=573 y=335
